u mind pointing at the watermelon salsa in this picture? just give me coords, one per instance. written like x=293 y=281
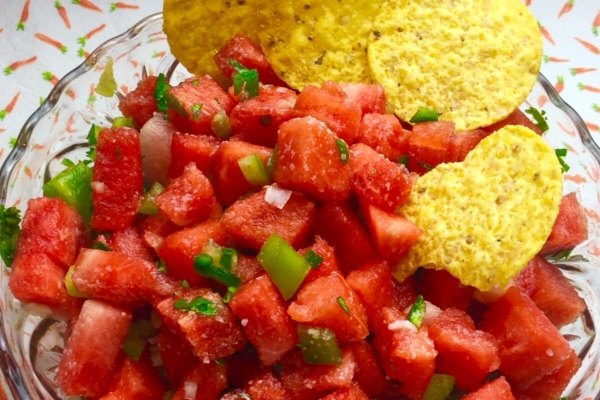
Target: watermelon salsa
x=240 y=245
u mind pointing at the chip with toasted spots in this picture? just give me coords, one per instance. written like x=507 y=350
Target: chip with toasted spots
x=196 y=30
x=484 y=218
x=473 y=61
x=312 y=41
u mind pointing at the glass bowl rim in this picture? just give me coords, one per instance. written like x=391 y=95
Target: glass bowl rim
x=12 y=375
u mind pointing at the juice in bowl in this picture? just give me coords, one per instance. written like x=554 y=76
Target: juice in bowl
x=34 y=340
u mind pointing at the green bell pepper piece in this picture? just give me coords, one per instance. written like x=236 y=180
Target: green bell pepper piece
x=73 y=185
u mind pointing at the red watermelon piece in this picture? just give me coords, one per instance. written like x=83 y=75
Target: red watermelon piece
x=444 y=290
x=136 y=380
x=229 y=181
x=117 y=179
x=429 y=144
x=370 y=97
x=179 y=249
x=257 y=119
x=250 y=221
x=205 y=382
x=266 y=387
x=194 y=103
x=318 y=303
x=211 y=336
x=130 y=242
x=176 y=355
x=517 y=117
x=189 y=198
x=551 y=291
x=369 y=376
x=140 y=104
x=461 y=143
x=530 y=346
x=266 y=324
x=377 y=180
x=154 y=228
x=54 y=228
x=119 y=278
x=570 y=227
x=309 y=160
x=463 y=352
x=352 y=392
x=92 y=350
x=384 y=134
x=498 y=389
x=198 y=149
x=329 y=263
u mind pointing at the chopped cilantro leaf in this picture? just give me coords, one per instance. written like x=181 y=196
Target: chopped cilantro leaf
x=560 y=154
x=198 y=305
x=101 y=246
x=244 y=80
x=343 y=148
x=540 y=118
x=196 y=111
x=313 y=259
x=229 y=295
x=10 y=218
x=159 y=93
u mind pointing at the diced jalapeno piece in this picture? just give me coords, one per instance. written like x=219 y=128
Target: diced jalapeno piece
x=286 y=268
x=73 y=185
x=417 y=312
x=148 y=205
x=135 y=341
x=71 y=289
x=254 y=170
x=203 y=264
x=318 y=345
x=440 y=387
x=120 y=122
x=223 y=257
x=221 y=125
x=424 y=114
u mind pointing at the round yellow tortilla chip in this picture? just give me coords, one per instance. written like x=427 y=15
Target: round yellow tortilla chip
x=312 y=41
x=483 y=219
x=196 y=30
x=474 y=61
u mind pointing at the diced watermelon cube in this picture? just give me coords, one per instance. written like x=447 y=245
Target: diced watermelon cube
x=551 y=386
x=117 y=179
x=230 y=183
x=378 y=180
x=247 y=268
x=211 y=336
x=205 y=382
x=330 y=105
x=309 y=382
x=189 y=198
x=444 y=290
x=368 y=375
x=244 y=366
x=405 y=293
x=461 y=143
x=35 y=278
x=250 y=221
x=530 y=347
x=352 y=392
x=429 y=144
x=550 y=291
x=187 y=148
x=194 y=103
x=176 y=355
x=119 y=278
x=154 y=228
x=517 y=117
x=394 y=234
x=263 y=313
x=155 y=141
x=266 y=387
x=140 y=104
x=339 y=224
x=91 y=353
x=373 y=283
x=406 y=354
x=463 y=352
x=570 y=227
x=309 y=160
x=241 y=49
x=329 y=263
x=257 y=119
x=384 y=133
x=370 y=97
x=52 y=227
x=330 y=302
x=130 y=242
x=179 y=249
x=498 y=389
x=136 y=380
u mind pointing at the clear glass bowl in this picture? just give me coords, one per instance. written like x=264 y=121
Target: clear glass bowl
x=30 y=344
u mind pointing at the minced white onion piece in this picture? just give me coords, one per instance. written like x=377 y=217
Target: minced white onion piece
x=189 y=390
x=277 y=196
x=98 y=187
x=402 y=324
